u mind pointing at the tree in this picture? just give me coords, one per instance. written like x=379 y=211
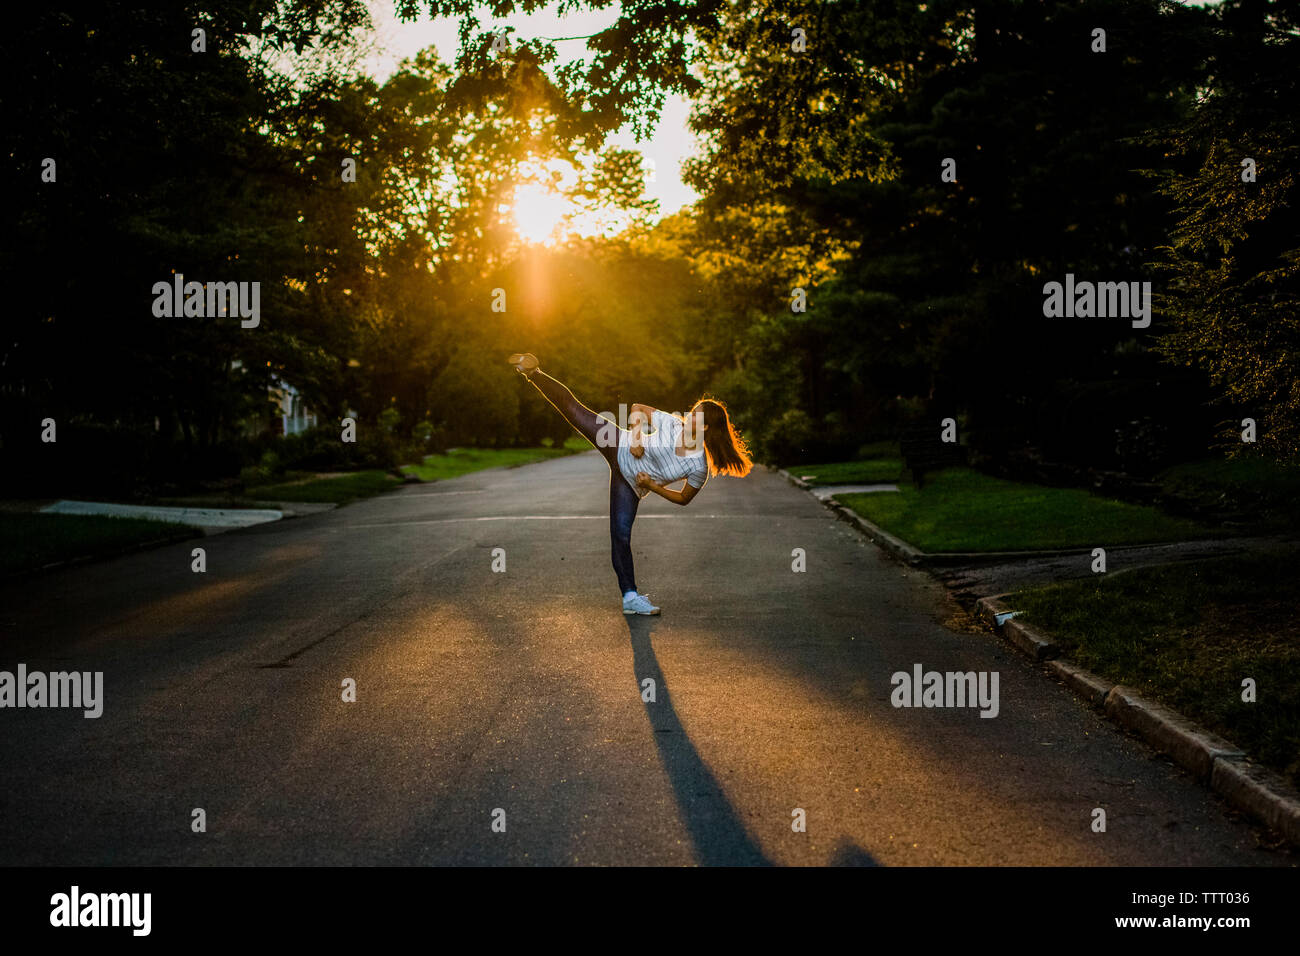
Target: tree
x=165 y=163
x=846 y=139
x=1233 y=257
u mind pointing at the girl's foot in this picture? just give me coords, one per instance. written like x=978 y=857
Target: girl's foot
x=638 y=604
x=524 y=362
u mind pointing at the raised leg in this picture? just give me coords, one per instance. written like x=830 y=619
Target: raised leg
x=598 y=430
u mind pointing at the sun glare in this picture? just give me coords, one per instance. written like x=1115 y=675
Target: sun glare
x=539 y=213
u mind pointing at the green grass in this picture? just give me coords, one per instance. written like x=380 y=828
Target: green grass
x=878 y=462
x=339 y=489
x=1254 y=490
x=1187 y=635
x=960 y=509
x=462 y=461
x=29 y=541
x=850 y=472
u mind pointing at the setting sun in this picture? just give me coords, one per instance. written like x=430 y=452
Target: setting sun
x=539 y=212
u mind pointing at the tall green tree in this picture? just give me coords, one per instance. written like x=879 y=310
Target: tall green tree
x=1232 y=263
x=842 y=117
x=160 y=120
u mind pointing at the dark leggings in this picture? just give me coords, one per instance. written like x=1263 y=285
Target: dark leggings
x=623 y=499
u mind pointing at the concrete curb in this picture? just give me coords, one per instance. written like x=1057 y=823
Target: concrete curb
x=1190 y=746
x=999 y=616
x=993 y=611
x=1259 y=792
x=1086 y=684
x=1214 y=761
x=894 y=545
x=1034 y=643
x=797 y=482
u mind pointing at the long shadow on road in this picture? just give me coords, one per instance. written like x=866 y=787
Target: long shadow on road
x=719 y=836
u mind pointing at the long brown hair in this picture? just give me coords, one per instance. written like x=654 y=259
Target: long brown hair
x=728 y=454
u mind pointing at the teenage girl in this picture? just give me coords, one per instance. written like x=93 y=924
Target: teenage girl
x=656 y=451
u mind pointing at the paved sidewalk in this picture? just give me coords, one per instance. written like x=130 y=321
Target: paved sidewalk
x=826 y=491
x=198 y=517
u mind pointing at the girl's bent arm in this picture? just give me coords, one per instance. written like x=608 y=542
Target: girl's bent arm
x=683 y=497
x=638 y=421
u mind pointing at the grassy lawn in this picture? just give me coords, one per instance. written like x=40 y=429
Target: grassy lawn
x=960 y=509
x=461 y=461
x=1253 y=490
x=1187 y=635
x=337 y=488
x=341 y=489
x=31 y=540
x=879 y=462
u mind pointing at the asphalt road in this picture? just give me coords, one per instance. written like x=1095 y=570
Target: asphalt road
x=521 y=691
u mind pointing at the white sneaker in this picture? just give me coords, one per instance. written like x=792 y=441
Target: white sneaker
x=638 y=604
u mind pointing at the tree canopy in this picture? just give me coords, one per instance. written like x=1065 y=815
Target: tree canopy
x=885 y=187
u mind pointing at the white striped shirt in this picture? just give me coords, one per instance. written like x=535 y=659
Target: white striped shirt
x=660 y=459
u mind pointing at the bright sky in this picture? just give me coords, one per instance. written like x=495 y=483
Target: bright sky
x=671 y=142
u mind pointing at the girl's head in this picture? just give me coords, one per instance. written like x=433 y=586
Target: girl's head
x=726 y=449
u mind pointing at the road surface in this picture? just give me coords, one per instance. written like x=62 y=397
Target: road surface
x=521 y=691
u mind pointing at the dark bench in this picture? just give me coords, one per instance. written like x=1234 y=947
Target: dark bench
x=924 y=452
